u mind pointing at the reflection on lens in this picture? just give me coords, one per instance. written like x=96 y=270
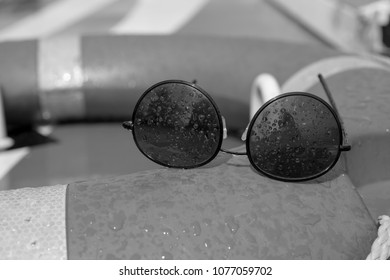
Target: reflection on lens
x=176 y=125
x=296 y=137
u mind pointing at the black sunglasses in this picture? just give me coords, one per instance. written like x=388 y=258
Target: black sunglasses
x=295 y=136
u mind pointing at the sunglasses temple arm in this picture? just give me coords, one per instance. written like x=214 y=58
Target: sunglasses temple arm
x=345 y=146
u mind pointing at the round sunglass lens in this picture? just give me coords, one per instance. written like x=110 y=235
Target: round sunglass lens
x=177 y=125
x=296 y=137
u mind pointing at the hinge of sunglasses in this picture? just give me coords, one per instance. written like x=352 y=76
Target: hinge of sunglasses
x=128 y=125
x=345 y=148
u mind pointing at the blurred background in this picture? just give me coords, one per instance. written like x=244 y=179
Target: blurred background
x=45 y=153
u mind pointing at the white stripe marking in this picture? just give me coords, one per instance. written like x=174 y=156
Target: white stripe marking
x=158 y=17
x=8 y=159
x=53 y=18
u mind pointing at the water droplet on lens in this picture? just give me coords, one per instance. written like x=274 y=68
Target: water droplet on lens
x=154 y=98
x=162 y=215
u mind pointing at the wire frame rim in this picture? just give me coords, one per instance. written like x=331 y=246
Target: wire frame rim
x=208 y=97
x=264 y=106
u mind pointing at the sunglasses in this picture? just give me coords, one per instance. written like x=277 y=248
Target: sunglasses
x=295 y=136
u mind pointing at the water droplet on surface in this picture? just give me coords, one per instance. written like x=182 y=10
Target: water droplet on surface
x=116 y=220
x=196 y=228
x=166 y=232
x=166 y=256
x=207 y=243
x=148 y=228
x=207 y=222
x=232 y=223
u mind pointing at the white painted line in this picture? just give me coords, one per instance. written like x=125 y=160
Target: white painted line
x=158 y=17
x=52 y=18
x=8 y=159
